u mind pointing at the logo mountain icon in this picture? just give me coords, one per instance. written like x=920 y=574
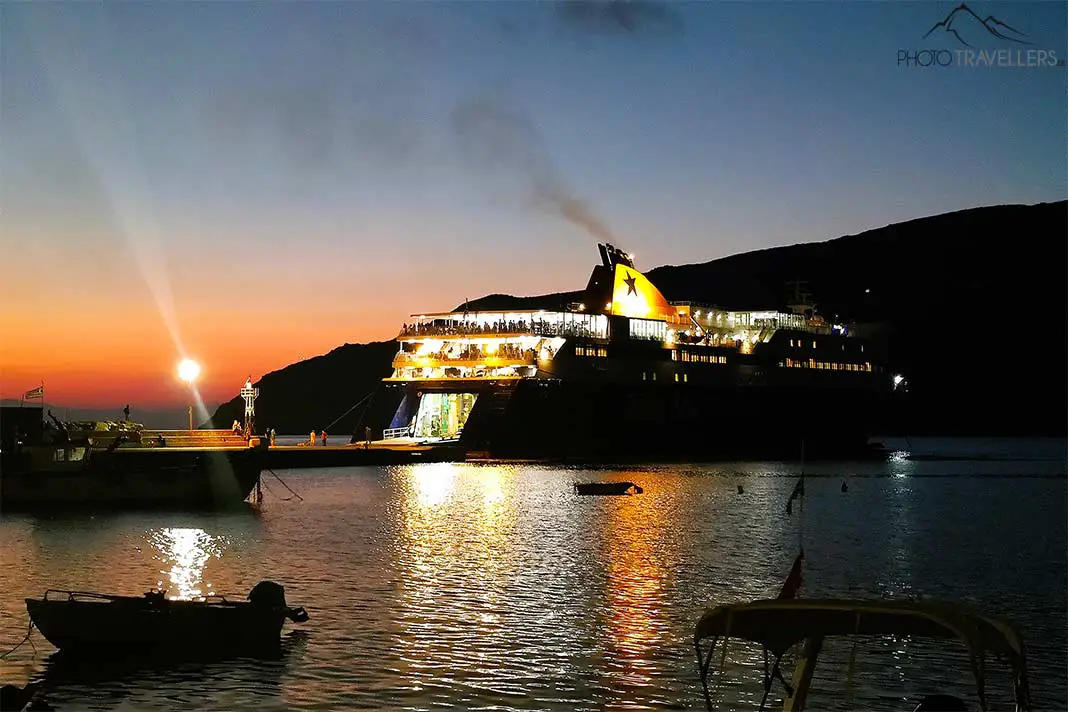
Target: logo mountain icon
x=962 y=19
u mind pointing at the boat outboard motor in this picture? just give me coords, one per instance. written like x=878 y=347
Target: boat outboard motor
x=941 y=703
x=268 y=593
x=273 y=595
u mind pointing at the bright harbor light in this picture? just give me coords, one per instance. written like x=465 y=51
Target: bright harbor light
x=188 y=370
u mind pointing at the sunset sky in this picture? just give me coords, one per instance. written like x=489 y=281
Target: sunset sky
x=255 y=183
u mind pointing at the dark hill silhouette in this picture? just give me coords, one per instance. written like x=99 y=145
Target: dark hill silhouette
x=973 y=302
x=313 y=393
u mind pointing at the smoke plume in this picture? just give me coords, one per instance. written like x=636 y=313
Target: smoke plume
x=618 y=16
x=493 y=133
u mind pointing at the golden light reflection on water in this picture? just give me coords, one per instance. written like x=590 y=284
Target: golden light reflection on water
x=455 y=528
x=433 y=482
x=492 y=491
x=187 y=551
x=636 y=583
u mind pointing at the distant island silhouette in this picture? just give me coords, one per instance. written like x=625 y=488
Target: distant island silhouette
x=972 y=306
x=991 y=24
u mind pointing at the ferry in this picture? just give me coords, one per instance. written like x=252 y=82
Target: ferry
x=625 y=373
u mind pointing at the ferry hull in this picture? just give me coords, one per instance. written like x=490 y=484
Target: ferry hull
x=575 y=420
x=557 y=419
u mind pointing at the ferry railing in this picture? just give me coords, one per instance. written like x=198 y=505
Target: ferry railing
x=390 y=433
x=514 y=330
x=489 y=360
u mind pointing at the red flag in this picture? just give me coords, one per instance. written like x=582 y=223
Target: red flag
x=798 y=491
x=793 y=580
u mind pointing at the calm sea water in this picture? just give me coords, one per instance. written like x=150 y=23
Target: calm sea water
x=495 y=587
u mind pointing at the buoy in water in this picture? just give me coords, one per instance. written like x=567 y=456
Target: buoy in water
x=845 y=487
x=741 y=490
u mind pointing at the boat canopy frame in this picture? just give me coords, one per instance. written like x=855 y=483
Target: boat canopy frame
x=62 y=594
x=780 y=624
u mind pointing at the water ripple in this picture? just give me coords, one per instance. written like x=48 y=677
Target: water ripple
x=496 y=588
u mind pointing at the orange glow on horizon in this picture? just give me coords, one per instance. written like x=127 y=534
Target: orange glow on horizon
x=85 y=322
x=92 y=365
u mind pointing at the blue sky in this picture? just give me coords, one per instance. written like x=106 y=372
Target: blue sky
x=310 y=154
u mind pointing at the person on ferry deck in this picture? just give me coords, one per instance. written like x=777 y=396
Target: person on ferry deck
x=311 y=440
x=324 y=438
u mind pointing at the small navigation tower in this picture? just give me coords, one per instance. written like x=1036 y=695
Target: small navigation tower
x=249 y=394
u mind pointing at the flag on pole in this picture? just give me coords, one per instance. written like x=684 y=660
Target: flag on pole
x=792 y=585
x=34 y=393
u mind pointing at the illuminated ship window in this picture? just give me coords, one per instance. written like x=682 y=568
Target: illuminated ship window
x=648 y=329
x=676 y=378
x=602 y=352
x=580 y=351
x=685 y=377
x=813 y=344
x=654 y=375
x=674 y=355
x=862 y=348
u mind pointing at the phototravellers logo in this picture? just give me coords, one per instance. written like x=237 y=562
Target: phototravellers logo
x=970 y=40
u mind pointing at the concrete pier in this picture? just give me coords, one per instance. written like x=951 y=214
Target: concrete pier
x=395 y=451
x=377 y=452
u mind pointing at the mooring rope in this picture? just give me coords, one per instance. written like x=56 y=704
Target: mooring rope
x=284 y=485
x=338 y=419
x=275 y=494
x=29 y=631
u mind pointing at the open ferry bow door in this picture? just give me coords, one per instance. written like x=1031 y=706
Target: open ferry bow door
x=441 y=415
